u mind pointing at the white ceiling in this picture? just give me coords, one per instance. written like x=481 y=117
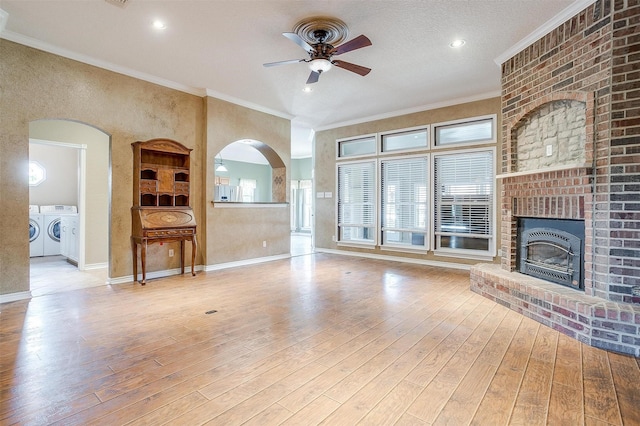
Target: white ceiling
x=217 y=47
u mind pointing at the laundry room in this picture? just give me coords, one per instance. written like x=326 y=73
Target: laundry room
x=53 y=201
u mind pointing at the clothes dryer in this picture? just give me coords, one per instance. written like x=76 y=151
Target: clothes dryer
x=36 y=232
x=52 y=217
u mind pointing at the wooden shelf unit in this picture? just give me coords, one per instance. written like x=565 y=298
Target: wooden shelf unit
x=161 y=209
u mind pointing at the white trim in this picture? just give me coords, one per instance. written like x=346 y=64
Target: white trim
x=415 y=129
x=469 y=120
x=92 y=266
x=364 y=246
x=462 y=254
x=544 y=170
x=4 y=17
x=357 y=138
x=128 y=279
x=60 y=144
x=424 y=262
x=234 y=205
x=245 y=262
x=435 y=105
x=562 y=17
x=12 y=297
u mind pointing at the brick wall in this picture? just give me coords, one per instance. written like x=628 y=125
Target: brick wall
x=594 y=58
x=596 y=53
x=623 y=168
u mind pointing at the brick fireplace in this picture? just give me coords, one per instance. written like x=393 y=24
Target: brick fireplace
x=571 y=151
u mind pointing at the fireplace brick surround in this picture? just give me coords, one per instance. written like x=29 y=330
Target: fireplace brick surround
x=593 y=59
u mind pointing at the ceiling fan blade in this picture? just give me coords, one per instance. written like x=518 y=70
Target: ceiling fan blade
x=313 y=77
x=356 y=43
x=291 y=61
x=299 y=41
x=352 y=67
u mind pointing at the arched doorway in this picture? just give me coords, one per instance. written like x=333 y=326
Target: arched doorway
x=60 y=145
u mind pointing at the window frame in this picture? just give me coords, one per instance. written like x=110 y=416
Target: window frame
x=462 y=145
x=415 y=129
x=430 y=152
x=354 y=139
x=375 y=191
x=381 y=228
x=43 y=173
x=490 y=253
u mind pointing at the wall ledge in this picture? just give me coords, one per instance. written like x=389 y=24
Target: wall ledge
x=544 y=170
x=235 y=205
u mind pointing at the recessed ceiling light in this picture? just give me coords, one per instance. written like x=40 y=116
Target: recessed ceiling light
x=457 y=43
x=307 y=89
x=159 y=25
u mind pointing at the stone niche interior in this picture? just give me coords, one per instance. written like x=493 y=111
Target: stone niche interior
x=550 y=175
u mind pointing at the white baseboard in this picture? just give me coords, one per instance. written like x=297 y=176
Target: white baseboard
x=396 y=259
x=88 y=267
x=246 y=262
x=152 y=275
x=12 y=297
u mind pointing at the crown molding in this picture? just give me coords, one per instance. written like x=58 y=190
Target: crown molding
x=46 y=47
x=449 y=102
x=562 y=17
x=246 y=104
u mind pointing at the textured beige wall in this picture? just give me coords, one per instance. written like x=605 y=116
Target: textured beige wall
x=37 y=85
x=235 y=234
x=325 y=166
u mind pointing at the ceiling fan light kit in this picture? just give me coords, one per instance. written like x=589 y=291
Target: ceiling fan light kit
x=320 y=65
x=317 y=37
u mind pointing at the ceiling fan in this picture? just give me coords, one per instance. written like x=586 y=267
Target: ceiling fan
x=321 y=52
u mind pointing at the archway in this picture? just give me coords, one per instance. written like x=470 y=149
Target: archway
x=252 y=170
x=57 y=139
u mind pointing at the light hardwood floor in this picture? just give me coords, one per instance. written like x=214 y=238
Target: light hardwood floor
x=315 y=339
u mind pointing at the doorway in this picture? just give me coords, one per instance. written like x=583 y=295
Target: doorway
x=75 y=159
x=301 y=217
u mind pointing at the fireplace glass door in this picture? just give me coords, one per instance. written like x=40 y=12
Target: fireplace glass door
x=551 y=254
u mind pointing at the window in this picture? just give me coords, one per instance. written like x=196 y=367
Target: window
x=37 y=173
x=416 y=196
x=365 y=145
x=464 y=188
x=410 y=139
x=357 y=202
x=248 y=190
x=475 y=131
x=404 y=202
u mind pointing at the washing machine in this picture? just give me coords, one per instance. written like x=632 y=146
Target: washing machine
x=36 y=232
x=52 y=215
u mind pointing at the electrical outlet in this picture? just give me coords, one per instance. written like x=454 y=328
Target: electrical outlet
x=264 y=244
x=170 y=252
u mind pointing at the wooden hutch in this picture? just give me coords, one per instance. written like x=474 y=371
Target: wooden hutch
x=161 y=198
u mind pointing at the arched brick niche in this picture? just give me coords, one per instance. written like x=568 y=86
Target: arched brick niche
x=554 y=131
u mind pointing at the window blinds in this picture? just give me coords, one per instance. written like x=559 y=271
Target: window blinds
x=404 y=194
x=464 y=193
x=356 y=195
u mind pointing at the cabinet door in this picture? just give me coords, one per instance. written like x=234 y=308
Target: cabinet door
x=165 y=180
